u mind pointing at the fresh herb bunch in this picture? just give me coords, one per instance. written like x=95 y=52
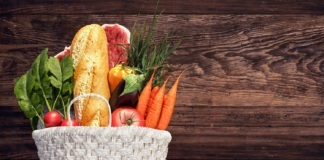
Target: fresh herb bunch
x=147 y=54
x=46 y=86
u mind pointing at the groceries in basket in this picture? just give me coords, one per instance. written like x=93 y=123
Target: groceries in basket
x=127 y=68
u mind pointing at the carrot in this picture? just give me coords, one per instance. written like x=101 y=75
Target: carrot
x=145 y=96
x=153 y=94
x=168 y=105
x=154 y=91
x=153 y=114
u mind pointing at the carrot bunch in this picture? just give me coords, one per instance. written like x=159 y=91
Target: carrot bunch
x=156 y=105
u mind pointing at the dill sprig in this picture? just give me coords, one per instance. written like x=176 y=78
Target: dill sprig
x=146 y=53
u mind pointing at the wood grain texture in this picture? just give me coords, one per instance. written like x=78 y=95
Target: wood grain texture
x=167 y=6
x=255 y=89
x=242 y=55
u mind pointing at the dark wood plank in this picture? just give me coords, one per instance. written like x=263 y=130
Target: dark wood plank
x=167 y=6
x=15 y=135
x=255 y=90
x=238 y=60
x=247 y=132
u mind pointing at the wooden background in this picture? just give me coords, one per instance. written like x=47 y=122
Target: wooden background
x=256 y=90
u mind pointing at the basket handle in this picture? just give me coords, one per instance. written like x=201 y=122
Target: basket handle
x=84 y=96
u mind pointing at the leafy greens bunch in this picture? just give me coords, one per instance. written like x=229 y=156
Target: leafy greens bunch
x=46 y=86
x=148 y=53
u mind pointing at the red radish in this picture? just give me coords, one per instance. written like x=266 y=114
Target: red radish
x=52 y=119
x=65 y=122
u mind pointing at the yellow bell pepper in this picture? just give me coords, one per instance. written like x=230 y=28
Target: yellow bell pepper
x=116 y=75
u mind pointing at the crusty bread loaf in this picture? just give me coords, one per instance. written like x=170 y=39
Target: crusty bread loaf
x=90 y=60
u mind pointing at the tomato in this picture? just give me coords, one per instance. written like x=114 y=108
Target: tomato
x=127 y=116
x=116 y=75
x=52 y=119
x=65 y=122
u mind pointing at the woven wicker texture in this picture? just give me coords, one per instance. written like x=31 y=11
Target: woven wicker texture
x=96 y=143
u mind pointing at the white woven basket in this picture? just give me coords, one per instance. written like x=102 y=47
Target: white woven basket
x=82 y=142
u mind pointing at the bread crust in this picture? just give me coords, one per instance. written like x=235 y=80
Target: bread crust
x=90 y=61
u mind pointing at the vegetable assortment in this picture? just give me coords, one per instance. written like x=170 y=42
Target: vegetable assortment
x=148 y=58
x=138 y=86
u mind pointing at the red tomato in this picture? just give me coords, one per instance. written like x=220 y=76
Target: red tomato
x=65 y=122
x=52 y=119
x=127 y=116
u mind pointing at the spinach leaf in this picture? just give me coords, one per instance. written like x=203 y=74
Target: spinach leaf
x=67 y=80
x=67 y=68
x=21 y=92
x=60 y=75
x=43 y=85
x=29 y=102
x=55 y=69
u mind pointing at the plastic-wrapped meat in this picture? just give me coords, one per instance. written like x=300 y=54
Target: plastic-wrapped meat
x=65 y=52
x=118 y=38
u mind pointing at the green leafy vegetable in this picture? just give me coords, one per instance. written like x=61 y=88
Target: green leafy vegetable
x=55 y=69
x=48 y=83
x=133 y=83
x=66 y=90
x=146 y=53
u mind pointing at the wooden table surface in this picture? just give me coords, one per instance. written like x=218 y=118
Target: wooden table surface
x=256 y=90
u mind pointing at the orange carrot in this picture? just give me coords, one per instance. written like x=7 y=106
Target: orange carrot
x=145 y=96
x=153 y=94
x=168 y=105
x=153 y=114
x=154 y=91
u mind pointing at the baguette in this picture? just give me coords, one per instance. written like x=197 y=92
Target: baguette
x=90 y=61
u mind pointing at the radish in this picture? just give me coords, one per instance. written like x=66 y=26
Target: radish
x=52 y=119
x=65 y=122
